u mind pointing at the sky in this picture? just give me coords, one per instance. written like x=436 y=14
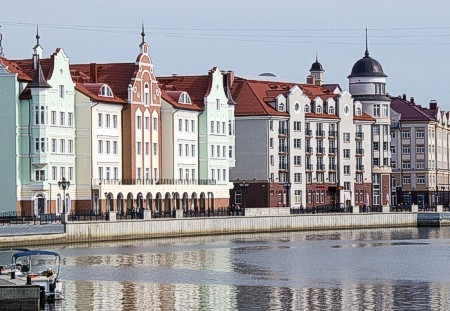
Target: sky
x=410 y=38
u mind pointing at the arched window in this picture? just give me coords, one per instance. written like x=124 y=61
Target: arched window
x=331 y=110
x=105 y=91
x=184 y=98
x=358 y=111
x=58 y=204
x=319 y=109
x=146 y=95
x=280 y=107
x=67 y=203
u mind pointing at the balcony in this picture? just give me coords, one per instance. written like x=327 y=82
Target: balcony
x=283 y=149
x=332 y=134
x=320 y=133
x=320 y=150
x=308 y=132
x=332 y=167
x=360 y=168
x=359 y=135
x=283 y=132
x=282 y=166
x=332 y=150
x=309 y=167
x=309 y=150
x=320 y=167
x=359 y=152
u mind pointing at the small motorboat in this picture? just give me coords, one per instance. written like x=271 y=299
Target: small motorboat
x=40 y=268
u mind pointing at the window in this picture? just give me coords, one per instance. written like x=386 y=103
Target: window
x=297 y=160
x=331 y=110
x=406 y=180
x=421 y=180
x=54 y=145
x=114 y=147
x=70 y=146
x=108 y=147
x=393 y=164
x=358 y=112
x=346 y=153
x=115 y=121
x=54 y=173
x=70 y=119
x=297 y=143
x=155 y=123
x=61 y=91
x=186 y=149
x=100 y=172
x=271 y=142
x=297 y=126
x=298 y=177
x=384 y=110
x=147 y=148
x=100 y=120
x=62 y=172
x=420 y=165
x=306 y=109
x=385 y=146
x=230 y=152
x=180 y=125
x=420 y=134
x=271 y=125
x=180 y=150
x=376 y=161
x=40 y=175
x=212 y=126
x=272 y=161
x=138 y=122
x=62 y=146
x=376 y=145
x=108 y=173
x=406 y=150
x=218 y=127
x=193 y=126
x=108 y=120
x=147 y=123
x=406 y=165
x=193 y=176
x=155 y=148
x=346 y=137
x=376 y=110
x=70 y=173
x=105 y=91
x=138 y=147
x=346 y=185
x=223 y=128
x=100 y=146
x=193 y=150
x=146 y=95
x=116 y=173
x=346 y=169
x=420 y=149
x=186 y=126
x=218 y=104
x=61 y=118
x=53 y=117
x=224 y=151
x=297 y=196
x=406 y=134
x=218 y=151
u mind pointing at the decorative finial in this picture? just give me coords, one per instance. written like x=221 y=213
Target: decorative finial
x=317 y=58
x=37 y=34
x=367 y=45
x=143 y=33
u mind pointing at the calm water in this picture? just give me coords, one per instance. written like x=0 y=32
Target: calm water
x=388 y=269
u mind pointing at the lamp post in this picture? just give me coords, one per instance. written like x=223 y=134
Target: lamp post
x=63 y=185
x=243 y=185
x=287 y=184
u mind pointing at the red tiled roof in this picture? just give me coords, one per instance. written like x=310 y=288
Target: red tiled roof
x=196 y=86
x=410 y=111
x=91 y=90
x=15 y=68
x=169 y=96
x=363 y=117
x=117 y=75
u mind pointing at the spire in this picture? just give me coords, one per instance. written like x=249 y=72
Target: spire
x=37 y=34
x=1 y=48
x=317 y=58
x=143 y=33
x=37 y=49
x=39 y=79
x=367 y=45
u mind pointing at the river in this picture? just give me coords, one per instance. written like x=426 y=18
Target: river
x=376 y=269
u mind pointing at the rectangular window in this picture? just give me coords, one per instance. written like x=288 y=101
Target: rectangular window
x=271 y=125
x=230 y=152
x=100 y=173
x=108 y=120
x=212 y=126
x=100 y=120
x=180 y=125
x=108 y=147
x=193 y=126
x=155 y=149
x=61 y=118
x=186 y=126
x=147 y=123
x=62 y=172
x=406 y=165
x=147 y=148
x=421 y=180
x=116 y=173
x=420 y=149
x=420 y=165
x=108 y=173
x=54 y=145
x=218 y=151
x=376 y=145
x=297 y=160
x=61 y=91
x=406 y=134
x=53 y=117
x=224 y=128
x=186 y=150
x=180 y=150
x=346 y=137
x=70 y=146
x=346 y=153
x=193 y=150
x=70 y=173
x=346 y=169
x=406 y=150
x=212 y=151
x=298 y=177
x=62 y=146
x=218 y=127
x=376 y=110
x=100 y=146
x=218 y=104
x=114 y=147
x=54 y=173
x=155 y=124
x=420 y=134
x=40 y=175
x=115 y=121
x=138 y=122
x=392 y=149
x=224 y=151
x=297 y=126
x=193 y=176
x=297 y=143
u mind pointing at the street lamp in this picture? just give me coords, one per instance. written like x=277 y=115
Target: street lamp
x=63 y=185
x=243 y=185
x=287 y=184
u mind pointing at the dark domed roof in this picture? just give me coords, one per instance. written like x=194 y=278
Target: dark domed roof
x=367 y=66
x=316 y=66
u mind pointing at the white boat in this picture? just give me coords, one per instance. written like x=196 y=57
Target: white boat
x=39 y=268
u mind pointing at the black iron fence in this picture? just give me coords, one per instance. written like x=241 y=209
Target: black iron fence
x=12 y=218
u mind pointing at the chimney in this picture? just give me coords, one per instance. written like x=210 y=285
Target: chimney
x=404 y=96
x=412 y=100
x=93 y=72
x=310 y=79
x=230 y=78
x=433 y=104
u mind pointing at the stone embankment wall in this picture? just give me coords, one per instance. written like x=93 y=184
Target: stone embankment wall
x=98 y=231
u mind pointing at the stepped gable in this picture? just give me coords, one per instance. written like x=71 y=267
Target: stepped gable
x=196 y=86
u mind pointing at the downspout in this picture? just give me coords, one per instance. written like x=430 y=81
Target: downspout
x=90 y=156
x=173 y=134
x=29 y=138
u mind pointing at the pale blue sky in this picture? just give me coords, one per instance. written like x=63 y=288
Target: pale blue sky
x=410 y=38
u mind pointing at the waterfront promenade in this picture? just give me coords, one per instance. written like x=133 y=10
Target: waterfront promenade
x=91 y=231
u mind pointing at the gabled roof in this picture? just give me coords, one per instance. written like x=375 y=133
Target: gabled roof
x=92 y=89
x=173 y=100
x=117 y=75
x=196 y=86
x=409 y=111
x=15 y=68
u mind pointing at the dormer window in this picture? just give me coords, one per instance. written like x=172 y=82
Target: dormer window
x=358 y=111
x=306 y=108
x=319 y=109
x=280 y=107
x=331 y=110
x=105 y=91
x=184 y=98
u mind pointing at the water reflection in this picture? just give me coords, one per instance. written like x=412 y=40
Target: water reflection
x=388 y=269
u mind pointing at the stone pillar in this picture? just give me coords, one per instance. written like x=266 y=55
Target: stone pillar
x=385 y=209
x=64 y=218
x=356 y=209
x=112 y=216
x=147 y=214
x=439 y=208
x=414 y=208
x=179 y=213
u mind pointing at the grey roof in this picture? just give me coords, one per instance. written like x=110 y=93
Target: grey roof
x=367 y=66
x=316 y=66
